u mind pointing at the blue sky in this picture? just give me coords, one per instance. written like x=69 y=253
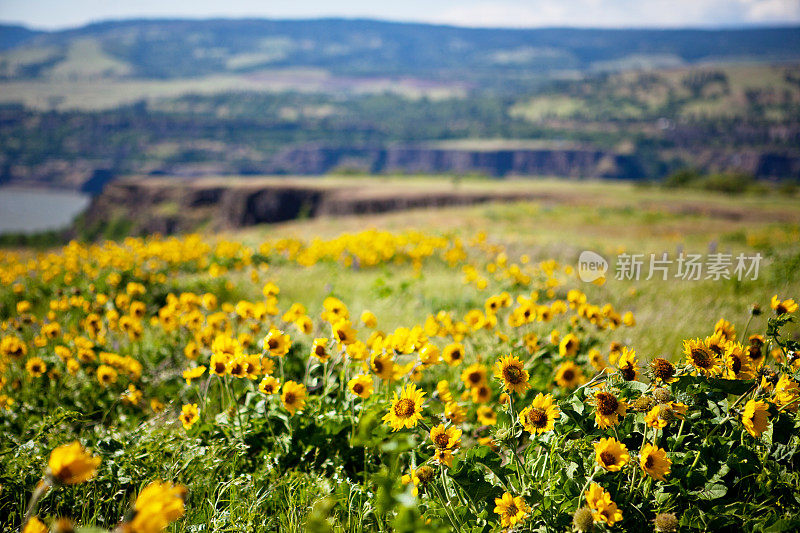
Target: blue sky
x=509 y=13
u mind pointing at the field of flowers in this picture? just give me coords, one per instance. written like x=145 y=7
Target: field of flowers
x=159 y=381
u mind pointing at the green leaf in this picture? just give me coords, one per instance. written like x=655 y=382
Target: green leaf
x=712 y=491
x=782 y=428
x=633 y=386
x=490 y=459
x=731 y=386
x=775 y=324
x=783 y=525
x=577 y=405
x=571 y=469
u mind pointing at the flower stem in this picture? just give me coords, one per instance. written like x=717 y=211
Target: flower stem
x=513 y=444
x=747 y=326
x=446 y=504
x=730 y=413
x=235 y=406
x=41 y=489
x=586 y=485
x=680 y=432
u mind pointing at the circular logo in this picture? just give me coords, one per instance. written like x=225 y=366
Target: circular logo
x=591 y=266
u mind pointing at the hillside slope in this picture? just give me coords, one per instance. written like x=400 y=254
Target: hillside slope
x=165 y=49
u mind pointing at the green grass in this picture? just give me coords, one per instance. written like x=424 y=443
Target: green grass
x=544 y=107
x=608 y=218
x=86 y=59
x=13 y=62
x=97 y=84
x=641 y=93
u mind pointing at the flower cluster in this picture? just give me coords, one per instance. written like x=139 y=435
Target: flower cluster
x=525 y=409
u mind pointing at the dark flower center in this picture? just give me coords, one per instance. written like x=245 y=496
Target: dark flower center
x=358 y=388
x=512 y=374
x=404 y=408
x=663 y=369
x=754 y=352
x=607 y=403
x=628 y=373
x=701 y=358
x=608 y=458
x=568 y=375
x=442 y=440
x=536 y=417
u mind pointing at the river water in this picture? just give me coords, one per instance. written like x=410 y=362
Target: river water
x=33 y=210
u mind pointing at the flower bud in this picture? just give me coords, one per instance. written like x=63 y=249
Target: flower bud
x=582 y=520
x=643 y=403
x=662 y=395
x=666 y=522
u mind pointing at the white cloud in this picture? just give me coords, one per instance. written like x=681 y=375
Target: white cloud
x=489 y=14
x=772 y=10
x=616 y=13
x=486 y=13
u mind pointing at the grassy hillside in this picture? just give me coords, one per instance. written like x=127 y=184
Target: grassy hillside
x=723 y=91
x=165 y=49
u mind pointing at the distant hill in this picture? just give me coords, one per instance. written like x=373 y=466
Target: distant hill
x=178 y=97
x=165 y=49
x=11 y=36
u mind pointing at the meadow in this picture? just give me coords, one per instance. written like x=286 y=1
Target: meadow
x=719 y=91
x=425 y=370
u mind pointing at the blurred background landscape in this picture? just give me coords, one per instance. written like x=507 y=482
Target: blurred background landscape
x=116 y=102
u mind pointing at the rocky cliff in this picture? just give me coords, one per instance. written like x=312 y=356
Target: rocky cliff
x=568 y=162
x=140 y=205
x=172 y=204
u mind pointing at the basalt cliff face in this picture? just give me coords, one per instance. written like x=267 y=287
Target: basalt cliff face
x=569 y=162
x=173 y=205
x=167 y=205
x=572 y=162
